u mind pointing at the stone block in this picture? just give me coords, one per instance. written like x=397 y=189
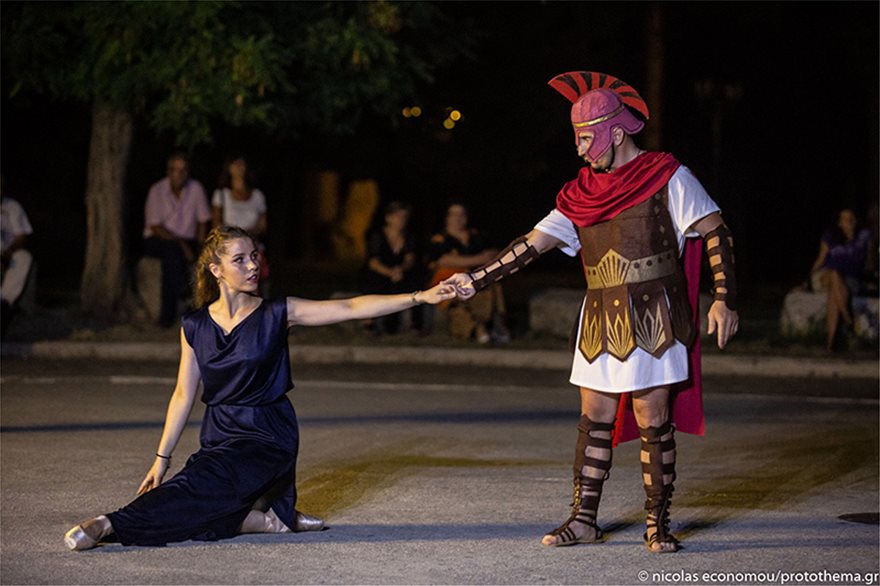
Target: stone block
x=555 y=311
x=803 y=314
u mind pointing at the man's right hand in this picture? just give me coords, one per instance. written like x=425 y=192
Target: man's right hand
x=463 y=284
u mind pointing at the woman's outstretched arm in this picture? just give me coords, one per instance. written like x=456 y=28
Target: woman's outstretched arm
x=179 y=408
x=304 y=312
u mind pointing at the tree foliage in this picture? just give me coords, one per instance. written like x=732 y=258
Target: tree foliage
x=187 y=66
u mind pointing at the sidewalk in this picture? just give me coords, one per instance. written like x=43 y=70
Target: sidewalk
x=713 y=364
x=62 y=334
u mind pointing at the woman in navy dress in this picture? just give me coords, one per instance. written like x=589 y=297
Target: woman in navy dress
x=242 y=480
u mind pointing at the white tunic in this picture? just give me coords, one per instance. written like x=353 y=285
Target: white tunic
x=688 y=203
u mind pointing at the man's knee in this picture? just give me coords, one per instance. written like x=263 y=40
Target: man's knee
x=651 y=407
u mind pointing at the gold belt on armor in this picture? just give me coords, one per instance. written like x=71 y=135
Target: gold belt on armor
x=615 y=269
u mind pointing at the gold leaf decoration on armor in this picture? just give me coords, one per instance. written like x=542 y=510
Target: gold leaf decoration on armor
x=619 y=334
x=612 y=269
x=649 y=331
x=591 y=336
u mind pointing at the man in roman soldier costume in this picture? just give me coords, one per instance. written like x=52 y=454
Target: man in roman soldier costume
x=635 y=217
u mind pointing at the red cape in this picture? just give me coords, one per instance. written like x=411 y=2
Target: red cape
x=686 y=397
x=597 y=197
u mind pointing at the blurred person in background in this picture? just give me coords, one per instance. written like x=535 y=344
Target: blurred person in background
x=176 y=217
x=15 y=259
x=237 y=202
x=391 y=266
x=461 y=247
x=839 y=270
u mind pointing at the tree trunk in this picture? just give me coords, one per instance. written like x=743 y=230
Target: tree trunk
x=656 y=54
x=103 y=279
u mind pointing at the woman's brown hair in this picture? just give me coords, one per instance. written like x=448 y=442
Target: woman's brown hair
x=206 y=286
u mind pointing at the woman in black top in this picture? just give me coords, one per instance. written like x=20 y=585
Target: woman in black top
x=391 y=265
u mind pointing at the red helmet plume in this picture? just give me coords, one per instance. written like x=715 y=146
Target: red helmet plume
x=575 y=84
x=599 y=104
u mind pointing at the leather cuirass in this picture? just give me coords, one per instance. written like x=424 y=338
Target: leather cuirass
x=636 y=291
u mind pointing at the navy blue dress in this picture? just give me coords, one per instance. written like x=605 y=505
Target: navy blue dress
x=249 y=437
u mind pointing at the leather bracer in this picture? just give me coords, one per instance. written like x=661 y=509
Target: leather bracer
x=500 y=266
x=719 y=247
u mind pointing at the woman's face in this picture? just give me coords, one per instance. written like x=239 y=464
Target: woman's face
x=456 y=218
x=239 y=266
x=397 y=219
x=237 y=168
x=847 y=223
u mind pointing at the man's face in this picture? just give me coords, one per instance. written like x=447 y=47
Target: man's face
x=178 y=171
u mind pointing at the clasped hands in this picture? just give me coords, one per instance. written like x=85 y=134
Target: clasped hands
x=463 y=284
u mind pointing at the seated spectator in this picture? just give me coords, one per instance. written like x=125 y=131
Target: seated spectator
x=462 y=248
x=839 y=269
x=176 y=217
x=236 y=202
x=16 y=260
x=872 y=264
x=391 y=267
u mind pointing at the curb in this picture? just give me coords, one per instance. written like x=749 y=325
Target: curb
x=729 y=365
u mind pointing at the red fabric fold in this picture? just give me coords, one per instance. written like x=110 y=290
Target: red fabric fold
x=595 y=197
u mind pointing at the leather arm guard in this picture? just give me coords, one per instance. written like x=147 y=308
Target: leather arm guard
x=719 y=247
x=499 y=267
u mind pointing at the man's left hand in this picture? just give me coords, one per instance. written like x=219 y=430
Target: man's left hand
x=724 y=320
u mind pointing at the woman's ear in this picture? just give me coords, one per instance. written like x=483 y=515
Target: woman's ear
x=215 y=270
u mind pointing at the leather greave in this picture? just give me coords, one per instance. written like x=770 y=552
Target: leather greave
x=658 y=474
x=592 y=463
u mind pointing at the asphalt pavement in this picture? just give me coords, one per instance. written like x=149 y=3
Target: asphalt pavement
x=450 y=474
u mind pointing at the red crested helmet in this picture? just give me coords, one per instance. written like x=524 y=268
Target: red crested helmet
x=599 y=103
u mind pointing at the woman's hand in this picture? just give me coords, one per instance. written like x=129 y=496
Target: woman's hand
x=435 y=294
x=154 y=476
x=462 y=283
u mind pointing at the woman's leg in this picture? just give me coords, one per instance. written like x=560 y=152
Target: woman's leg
x=838 y=305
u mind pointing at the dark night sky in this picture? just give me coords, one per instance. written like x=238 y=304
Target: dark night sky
x=800 y=142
